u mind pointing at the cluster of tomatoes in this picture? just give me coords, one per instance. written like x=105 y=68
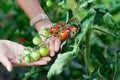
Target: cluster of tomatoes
x=63 y=30
x=60 y=30
x=36 y=53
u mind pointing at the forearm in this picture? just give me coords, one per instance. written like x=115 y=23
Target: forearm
x=32 y=8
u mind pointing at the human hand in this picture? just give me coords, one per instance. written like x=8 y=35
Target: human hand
x=52 y=43
x=9 y=55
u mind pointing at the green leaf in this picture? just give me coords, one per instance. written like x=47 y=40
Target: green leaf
x=117 y=77
x=108 y=20
x=61 y=61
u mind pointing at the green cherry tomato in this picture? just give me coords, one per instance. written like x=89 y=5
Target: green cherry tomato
x=35 y=55
x=49 y=3
x=27 y=58
x=37 y=40
x=46 y=32
x=19 y=61
x=44 y=51
x=27 y=51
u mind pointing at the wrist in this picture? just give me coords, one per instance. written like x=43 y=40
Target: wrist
x=43 y=24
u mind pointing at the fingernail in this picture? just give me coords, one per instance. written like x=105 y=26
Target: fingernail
x=8 y=68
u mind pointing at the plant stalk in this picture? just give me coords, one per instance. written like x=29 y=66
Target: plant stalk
x=88 y=65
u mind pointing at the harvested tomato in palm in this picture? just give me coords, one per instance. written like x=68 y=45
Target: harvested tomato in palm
x=52 y=30
x=63 y=35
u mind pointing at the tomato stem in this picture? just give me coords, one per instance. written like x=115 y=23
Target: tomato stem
x=88 y=65
x=105 y=31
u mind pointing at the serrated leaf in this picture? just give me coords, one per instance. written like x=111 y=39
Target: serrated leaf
x=108 y=20
x=61 y=61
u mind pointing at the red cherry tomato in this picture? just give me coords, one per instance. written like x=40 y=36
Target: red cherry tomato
x=52 y=30
x=73 y=28
x=58 y=26
x=63 y=35
x=68 y=30
x=63 y=25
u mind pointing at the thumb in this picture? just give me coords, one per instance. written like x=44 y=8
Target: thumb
x=4 y=60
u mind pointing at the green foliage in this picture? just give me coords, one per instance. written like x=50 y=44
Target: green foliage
x=94 y=53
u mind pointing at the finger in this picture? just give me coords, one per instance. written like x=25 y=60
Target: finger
x=4 y=60
x=46 y=59
x=57 y=44
x=40 y=62
x=51 y=47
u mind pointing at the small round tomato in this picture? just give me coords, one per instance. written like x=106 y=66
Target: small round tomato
x=74 y=29
x=46 y=32
x=63 y=35
x=63 y=25
x=27 y=51
x=58 y=25
x=68 y=30
x=44 y=51
x=52 y=30
x=49 y=3
x=37 y=40
x=19 y=61
x=27 y=58
x=35 y=55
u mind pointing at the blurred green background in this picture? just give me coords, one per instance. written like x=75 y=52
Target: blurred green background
x=14 y=26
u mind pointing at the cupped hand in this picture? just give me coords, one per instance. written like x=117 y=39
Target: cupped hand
x=9 y=55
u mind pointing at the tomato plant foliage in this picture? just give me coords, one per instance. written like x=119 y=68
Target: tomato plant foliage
x=90 y=53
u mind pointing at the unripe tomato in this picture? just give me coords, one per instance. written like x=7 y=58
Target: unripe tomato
x=35 y=55
x=44 y=51
x=49 y=3
x=63 y=35
x=27 y=51
x=37 y=40
x=27 y=58
x=46 y=32
x=19 y=61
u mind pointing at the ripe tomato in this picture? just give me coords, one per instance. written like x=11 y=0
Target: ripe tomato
x=63 y=25
x=74 y=29
x=58 y=26
x=52 y=30
x=35 y=55
x=49 y=3
x=37 y=40
x=63 y=35
x=46 y=32
x=68 y=30
x=21 y=40
x=44 y=51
